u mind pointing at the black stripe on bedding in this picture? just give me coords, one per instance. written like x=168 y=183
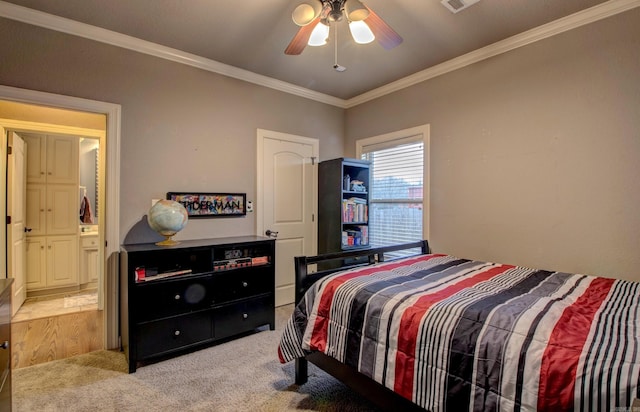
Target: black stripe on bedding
x=368 y=304
x=509 y=316
x=563 y=277
x=610 y=348
x=465 y=337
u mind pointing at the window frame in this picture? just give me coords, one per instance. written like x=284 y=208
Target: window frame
x=410 y=135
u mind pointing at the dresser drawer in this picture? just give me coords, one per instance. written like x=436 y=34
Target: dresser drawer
x=242 y=283
x=243 y=316
x=171 y=297
x=155 y=338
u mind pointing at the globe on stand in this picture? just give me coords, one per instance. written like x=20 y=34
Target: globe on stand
x=167 y=217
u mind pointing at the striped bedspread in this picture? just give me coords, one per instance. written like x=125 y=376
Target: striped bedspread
x=455 y=334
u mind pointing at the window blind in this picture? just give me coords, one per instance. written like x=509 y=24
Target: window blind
x=396 y=191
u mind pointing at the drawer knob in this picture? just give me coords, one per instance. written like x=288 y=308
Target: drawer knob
x=5 y=345
x=177 y=297
x=177 y=333
x=244 y=316
x=245 y=284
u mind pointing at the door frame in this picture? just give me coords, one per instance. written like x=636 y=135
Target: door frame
x=4 y=270
x=109 y=219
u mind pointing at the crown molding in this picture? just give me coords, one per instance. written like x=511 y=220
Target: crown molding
x=64 y=25
x=581 y=18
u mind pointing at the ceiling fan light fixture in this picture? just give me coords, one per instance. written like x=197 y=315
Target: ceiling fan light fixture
x=360 y=32
x=356 y=11
x=319 y=35
x=304 y=13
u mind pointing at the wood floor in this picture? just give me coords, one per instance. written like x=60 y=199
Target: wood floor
x=38 y=339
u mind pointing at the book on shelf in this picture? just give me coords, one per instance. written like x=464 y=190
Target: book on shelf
x=356 y=236
x=355 y=210
x=145 y=275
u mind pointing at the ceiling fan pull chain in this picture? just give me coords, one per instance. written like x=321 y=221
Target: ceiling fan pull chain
x=336 y=66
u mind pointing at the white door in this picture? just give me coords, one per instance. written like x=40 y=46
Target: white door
x=17 y=209
x=287 y=202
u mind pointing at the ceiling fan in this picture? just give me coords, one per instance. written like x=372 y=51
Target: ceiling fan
x=314 y=18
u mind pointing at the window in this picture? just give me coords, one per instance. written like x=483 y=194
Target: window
x=398 y=193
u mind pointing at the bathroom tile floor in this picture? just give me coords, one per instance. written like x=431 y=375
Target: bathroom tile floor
x=44 y=306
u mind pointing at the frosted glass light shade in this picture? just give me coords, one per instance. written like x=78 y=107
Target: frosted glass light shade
x=355 y=10
x=305 y=13
x=360 y=32
x=319 y=35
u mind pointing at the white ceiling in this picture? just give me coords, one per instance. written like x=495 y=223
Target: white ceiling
x=252 y=34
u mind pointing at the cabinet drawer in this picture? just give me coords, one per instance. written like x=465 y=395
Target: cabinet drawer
x=243 y=316
x=89 y=242
x=169 y=334
x=242 y=283
x=172 y=297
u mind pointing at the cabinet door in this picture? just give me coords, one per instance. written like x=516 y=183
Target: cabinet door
x=88 y=259
x=36 y=262
x=36 y=209
x=62 y=209
x=62 y=159
x=92 y=265
x=62 y=261
x=36 y=158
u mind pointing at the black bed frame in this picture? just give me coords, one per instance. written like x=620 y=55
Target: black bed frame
x=367 y=387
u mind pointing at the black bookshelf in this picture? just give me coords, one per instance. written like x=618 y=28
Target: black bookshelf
x=343 y=207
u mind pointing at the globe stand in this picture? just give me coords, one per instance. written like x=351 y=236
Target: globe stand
x=167 y=241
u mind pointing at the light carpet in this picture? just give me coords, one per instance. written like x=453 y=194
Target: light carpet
x=240 y=375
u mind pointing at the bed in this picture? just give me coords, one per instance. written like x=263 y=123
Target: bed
x=441 y=333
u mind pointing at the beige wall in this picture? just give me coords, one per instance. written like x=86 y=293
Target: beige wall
x=535 y=154
x=183 y=129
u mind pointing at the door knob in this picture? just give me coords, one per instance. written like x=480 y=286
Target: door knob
x=271 y=233
x=27 y=229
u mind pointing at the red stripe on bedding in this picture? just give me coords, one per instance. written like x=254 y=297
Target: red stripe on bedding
x=560 y=361
x=410 y=326
x=321 y=325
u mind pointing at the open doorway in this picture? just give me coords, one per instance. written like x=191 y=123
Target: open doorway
x=40 y=118
x=61 y=225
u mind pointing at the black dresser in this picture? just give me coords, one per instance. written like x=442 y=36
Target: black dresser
x=5 y=344
x=181 y=298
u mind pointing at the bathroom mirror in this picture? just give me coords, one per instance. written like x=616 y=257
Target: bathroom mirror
x=88 y=189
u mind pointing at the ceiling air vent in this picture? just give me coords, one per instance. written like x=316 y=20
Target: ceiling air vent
x=455 y=6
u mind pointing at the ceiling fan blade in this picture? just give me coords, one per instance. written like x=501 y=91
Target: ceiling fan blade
x=300 y=40
x=385 y=35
